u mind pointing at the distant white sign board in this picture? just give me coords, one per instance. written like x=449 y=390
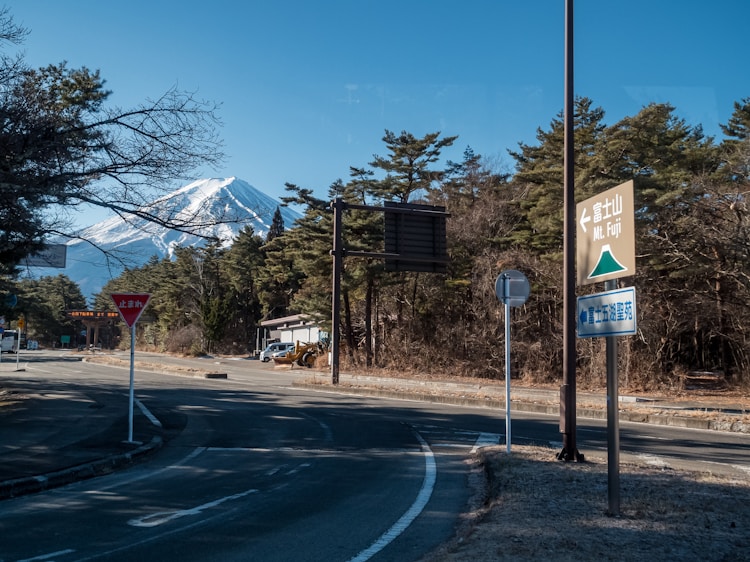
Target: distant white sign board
x=611 y=313
x=52 y=256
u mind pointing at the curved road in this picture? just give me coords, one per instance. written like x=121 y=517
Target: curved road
x=256 y=469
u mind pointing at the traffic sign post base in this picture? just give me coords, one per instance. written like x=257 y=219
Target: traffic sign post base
x=567 y=425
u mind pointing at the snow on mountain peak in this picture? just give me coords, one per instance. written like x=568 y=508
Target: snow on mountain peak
x=209 y=208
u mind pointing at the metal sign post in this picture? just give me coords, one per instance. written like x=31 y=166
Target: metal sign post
x=512 y=289
x=414 y=245
x=131 y=306
x=613 y=420
x=21 y=325
x=605 y=251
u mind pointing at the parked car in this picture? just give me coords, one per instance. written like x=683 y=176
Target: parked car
x=265 y=355
x=281 y=353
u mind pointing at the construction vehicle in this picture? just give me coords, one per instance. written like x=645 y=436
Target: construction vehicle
x=303 y=354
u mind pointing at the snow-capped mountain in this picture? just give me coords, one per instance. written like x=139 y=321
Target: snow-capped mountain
x=223 y=205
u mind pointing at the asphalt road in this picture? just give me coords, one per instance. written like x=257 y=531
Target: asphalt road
x=256 y=469
x=253 y=470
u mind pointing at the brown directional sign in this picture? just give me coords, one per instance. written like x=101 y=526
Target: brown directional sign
x=605 y=235
x=92 y=314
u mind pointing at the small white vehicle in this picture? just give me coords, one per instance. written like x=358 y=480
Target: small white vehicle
x=10 y=341
x=265 y=355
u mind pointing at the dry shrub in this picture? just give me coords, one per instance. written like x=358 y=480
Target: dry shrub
x=185 y=340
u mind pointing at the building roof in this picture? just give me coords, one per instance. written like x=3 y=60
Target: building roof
x=294 y=321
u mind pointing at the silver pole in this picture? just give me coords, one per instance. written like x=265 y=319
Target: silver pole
x=613 y=422
x=507 y=378
x=132 y=394
x=506 y=282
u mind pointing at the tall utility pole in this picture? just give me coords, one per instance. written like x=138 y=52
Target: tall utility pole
x=338 y=207
x=568 y=389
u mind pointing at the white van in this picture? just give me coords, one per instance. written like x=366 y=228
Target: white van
x=10 y=341
x=265 y=355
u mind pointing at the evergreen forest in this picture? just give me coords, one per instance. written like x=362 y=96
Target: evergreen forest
x=692 y=244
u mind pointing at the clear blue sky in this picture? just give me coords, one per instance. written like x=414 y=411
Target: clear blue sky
x=308 y=87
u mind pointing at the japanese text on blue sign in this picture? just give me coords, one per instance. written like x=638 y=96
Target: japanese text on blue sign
x=611 y=313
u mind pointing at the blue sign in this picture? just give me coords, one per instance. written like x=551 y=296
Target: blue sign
x=611 y=313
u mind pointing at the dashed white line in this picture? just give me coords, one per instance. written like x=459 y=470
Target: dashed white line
x=154 y=519
x=49 y=556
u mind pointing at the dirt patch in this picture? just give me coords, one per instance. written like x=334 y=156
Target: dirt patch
x=155 y=367
x=538 y=508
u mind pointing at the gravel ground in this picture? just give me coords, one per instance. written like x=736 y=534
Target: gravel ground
x=534 y=507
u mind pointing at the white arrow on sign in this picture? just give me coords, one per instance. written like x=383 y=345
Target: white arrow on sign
x=584 y=219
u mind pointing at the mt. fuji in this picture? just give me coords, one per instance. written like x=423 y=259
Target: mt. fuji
x=220 y=207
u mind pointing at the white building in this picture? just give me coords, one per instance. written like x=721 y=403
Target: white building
x=292 y=329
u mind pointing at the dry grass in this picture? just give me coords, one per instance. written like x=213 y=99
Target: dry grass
x=538 y=508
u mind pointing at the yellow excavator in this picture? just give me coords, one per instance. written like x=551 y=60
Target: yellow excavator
x=303 y=354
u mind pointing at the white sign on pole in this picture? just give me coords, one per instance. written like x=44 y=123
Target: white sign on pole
x=53 y=255
x=611 y=313
x=512 y=289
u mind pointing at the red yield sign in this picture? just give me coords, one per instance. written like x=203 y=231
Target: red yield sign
x=130 y=305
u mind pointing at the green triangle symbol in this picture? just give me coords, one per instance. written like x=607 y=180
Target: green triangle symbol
x=607 y=263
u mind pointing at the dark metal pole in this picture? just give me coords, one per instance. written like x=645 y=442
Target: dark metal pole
x=613 y=421
x=338 y=262
x=568 y=390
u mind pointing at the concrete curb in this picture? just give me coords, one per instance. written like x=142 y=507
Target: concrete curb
x=33 y=484
x=669 y=417
x=151 y=368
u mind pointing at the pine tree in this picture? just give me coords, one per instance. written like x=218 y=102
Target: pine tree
x=277 y=226
x=539 y=174
x=44 y=303
x=409 y=166
x=63 y=147
x=242 y=264
x=736 y=148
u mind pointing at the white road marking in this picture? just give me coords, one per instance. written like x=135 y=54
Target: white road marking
x=485 y=440
x=160 y=518
x=652 y=460
x=297 y=469
x=428 y=484
x=151 y=417
x=48 y=556
x=120 y=482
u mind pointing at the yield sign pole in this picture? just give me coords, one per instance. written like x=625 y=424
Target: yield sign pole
x=131 y=306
